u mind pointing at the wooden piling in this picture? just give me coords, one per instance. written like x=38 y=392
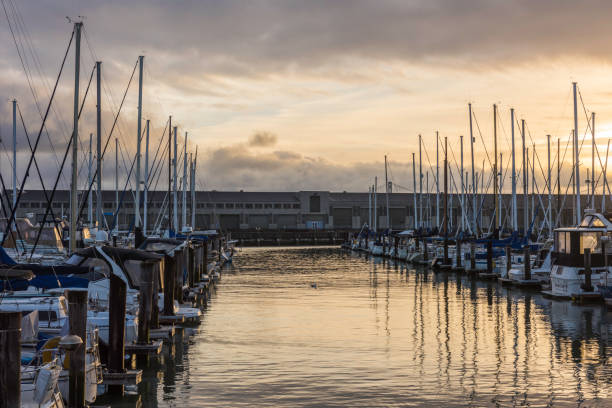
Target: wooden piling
x=489 y=256
x=169 y=271
x=588 y=287
x=527 y=262
x=191 y=265
x=508 y=260
x=10 y=359
x=146 y=300
x=155 y=296
x=77 y=311
x=179 y=259
x=116 y=335
x=472 y=256
x=425 y=251
x=458 y=254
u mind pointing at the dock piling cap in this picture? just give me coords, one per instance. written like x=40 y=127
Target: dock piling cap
x=70 y=342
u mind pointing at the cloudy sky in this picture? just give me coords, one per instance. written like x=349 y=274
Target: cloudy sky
x=296 y=95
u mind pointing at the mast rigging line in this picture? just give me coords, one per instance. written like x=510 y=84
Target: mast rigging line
x=14 y=209
x=57 y=179
x=86 y=195
x=27 y=70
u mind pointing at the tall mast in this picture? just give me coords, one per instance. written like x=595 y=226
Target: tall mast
x=420 y=182
x=525 y=185
x=461 y=180
x=89 y=196
x=550 y=228
x=473 y=173
x=499 y=191
x=375 y=203
x=370 y=207
x=145 y=197
x=14 y=158
x=117 y=183
x=558 y=218
x=138 y=138
x=169 y=175
x=605 y=181
x=174 y=182
x=514 y=203
x=99 y=215
x=533 y=214
x=437 y=180
x=593 y=161
x=75 y=139
x=414 y=192
x=495 y=185
x=184 y=213
x=577 y=159
x=387 y=193
x=193 y=192
x=445 y=226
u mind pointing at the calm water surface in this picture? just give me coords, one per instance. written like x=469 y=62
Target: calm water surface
x=376 y=333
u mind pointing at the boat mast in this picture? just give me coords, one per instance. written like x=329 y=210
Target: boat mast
x=533 y=214
x=445 y=225
x=145 y=198
x=117 y=183
x=75 y=139
x=605 y=183
x=99 y=214
x=550 y=228
x=387 y=193
x=558 y=218
x=593 y=161
x=375 y=213
x=370 y=207
x=193 y=190
x=184 y=213
x=174 y=184
x=514 y=203
x=138 y=138
x=495 y=198
x=473 y=173
x=420 y=183
x=525 y=185
x=499 y=191
x=89 y=196
x=462 y=199
x=169 y=174
x=577 y=157
x=437 y=180
x=414 y=197
x=14 y=225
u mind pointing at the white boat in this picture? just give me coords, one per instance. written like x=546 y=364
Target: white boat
x=567 y=276
x=39 y=386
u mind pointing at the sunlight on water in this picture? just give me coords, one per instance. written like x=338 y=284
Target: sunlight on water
x=373 y=333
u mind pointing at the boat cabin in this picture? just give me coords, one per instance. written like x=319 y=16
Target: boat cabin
x=570 y=243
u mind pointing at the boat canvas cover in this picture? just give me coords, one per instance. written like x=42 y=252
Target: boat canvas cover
x=29 y=326
x=5 y=259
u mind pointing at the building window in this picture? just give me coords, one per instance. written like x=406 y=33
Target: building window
x=286 y=205
x=248 y=205
x=34 y=205
x=209 y=205
x=219 y=205
x=315 y=203
x=277 y=205
x=238 y=205
x=229 y=205
x=258 y=205
x=296 y=206
x=267 y=205
x=108 y=205
x=57 y=205
x=128 y=205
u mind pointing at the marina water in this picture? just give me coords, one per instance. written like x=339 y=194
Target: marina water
x=305 y=327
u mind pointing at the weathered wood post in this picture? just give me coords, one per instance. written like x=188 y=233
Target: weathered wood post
x=198 y=263
x=425 y=251
x=10 y=359
x=508 y=261
x=527 y=262
x=155 y=300
x=489 y=256
x=116 y=332
x=169 y=271
x=192 y=265
x=146 y=300
x=395 y=246
x=179 y=259
x=472 y=256
x=588 y=287
x=458 y=254
x=205 y=259
x=77 y=312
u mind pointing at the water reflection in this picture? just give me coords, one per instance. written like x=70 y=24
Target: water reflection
x=378 y=333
